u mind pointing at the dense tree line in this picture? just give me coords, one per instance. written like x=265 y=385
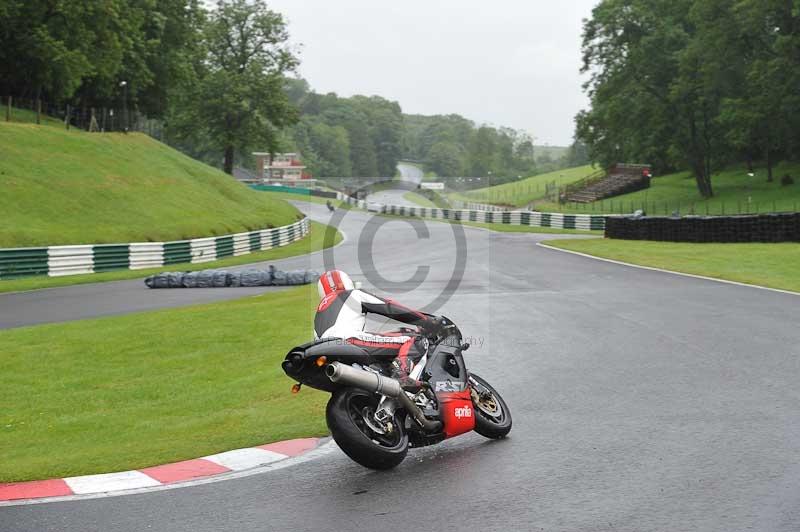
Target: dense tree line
x=80 y=51
x=451 y=146
x=343 y=137
x=692 y=83
x=214 y=75
x=365 y=137
x=220 y=78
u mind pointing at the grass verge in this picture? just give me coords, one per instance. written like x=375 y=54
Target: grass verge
x=422 y=201
x=320 y=237
x=127 y=392
x=771 y=265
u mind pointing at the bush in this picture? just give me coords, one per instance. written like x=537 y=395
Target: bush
x=787 y=180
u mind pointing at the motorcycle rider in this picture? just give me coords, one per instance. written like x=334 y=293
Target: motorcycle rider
x=342 y=313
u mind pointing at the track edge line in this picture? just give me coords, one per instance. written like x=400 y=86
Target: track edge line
x=673 y=272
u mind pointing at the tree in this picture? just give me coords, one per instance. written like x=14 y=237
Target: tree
x=50 y=48
x=577 y=154
x=446 y=159
x=172 y=41
x=757 y=114
x=78 y=52
x=692 y=84
x=653 y=92
x=238 y=100
x=332 y=146
x=362 y=151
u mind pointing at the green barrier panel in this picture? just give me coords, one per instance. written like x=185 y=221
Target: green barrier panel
x=506 y=218
x=255 y=241
x=525 y=218
x=280 y=188
x=569 y=221
x=23 y=261
x=276 y=238
x=224 y=246
x=545 y=219
x=111 y=257
x=177 y=252
x=597 y=223
x=473 y=216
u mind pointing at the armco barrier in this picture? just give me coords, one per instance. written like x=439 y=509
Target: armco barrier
x=71 y=260
x=529 y=218
x=778 y=227
x=585 y=222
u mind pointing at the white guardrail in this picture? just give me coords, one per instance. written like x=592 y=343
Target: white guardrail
x=72 y=260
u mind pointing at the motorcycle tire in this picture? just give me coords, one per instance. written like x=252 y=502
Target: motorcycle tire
x=345 y=415
x=487 y=425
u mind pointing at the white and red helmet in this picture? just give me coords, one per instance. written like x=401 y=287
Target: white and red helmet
x=334 y=281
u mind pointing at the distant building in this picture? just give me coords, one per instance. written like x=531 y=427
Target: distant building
x=282 y=169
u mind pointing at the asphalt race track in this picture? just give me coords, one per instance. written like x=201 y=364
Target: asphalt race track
x=641 y=401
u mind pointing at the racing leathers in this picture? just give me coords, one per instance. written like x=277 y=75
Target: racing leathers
x=343 y=314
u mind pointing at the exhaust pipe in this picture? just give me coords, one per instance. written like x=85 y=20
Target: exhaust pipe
x=365 y=380
x=372 y=382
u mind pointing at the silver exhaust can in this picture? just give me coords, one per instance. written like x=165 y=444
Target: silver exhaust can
x=365 y=380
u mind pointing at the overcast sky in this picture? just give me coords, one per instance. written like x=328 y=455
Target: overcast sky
x=504 y=62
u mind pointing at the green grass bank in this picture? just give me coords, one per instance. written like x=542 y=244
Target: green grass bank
x=521 y=193
x=73 y=187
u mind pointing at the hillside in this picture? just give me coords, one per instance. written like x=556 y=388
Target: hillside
x=734 y=192
x=525 y=191
x=73 y=187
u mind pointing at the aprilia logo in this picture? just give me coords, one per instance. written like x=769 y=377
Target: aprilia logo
x=463 y=411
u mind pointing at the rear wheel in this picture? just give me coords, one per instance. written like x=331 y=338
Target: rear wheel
x=492 y=417
x=351 y=419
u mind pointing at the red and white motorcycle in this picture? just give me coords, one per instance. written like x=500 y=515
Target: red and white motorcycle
x=374 y=421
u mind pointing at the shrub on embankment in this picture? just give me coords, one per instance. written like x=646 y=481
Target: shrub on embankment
x=73 y=187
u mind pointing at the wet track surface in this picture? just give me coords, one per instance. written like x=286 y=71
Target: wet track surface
x=641 y=401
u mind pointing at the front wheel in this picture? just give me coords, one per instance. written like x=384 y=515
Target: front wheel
x=351 y=419
x=492 y=416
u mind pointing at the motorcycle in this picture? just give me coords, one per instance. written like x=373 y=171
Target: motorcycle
x=374 y=420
